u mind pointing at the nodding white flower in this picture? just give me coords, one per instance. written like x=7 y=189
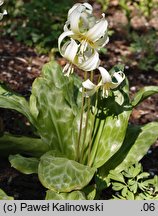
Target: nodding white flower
x=107 y=83
x=4 y=12
x=85 y=28
x=87 y=61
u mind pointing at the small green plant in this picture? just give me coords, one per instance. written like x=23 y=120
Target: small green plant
x=134 y=184
x=146 y=7
x=81 y=126
x=104 y=4
x=143 y=48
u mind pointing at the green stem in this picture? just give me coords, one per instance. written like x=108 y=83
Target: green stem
x=81 y=121
x=86 y=123
x=85 y=130
x=92 y=129
x=100 y=127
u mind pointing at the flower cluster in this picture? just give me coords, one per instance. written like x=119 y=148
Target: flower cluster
x=83 y=36
x=4 y=12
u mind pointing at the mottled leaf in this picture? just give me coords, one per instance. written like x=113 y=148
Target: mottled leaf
x=136 y=143
x=75 y=195
x=23 y=164
x=54 y=106
x=11 y=100
x=63 y=175
x=111 y=125
x=144 y=93
x=11 y=144
x=4 y=196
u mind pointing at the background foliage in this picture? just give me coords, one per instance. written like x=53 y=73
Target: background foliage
x=36 y=22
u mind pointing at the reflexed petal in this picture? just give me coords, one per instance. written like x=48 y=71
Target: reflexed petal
x=102 y=41
x=106 y=78
x=74 y=15
x=71 y=51
x=91 y=63
x=89 y=7
x=98 y=30
x=88 y=85
x=89 y=92
x=73 y=8
x=62 y=37
x=74 y=19
x=119 y=76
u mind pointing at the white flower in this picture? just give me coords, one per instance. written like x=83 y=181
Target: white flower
x=4 y=12
x=106 y=83
x=87 y=61
x=85 y=28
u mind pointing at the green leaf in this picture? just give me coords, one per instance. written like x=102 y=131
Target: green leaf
x=75 y=195
x=145 y=138
x=54 y=106
x=143 y=175
x=4 y=196
x=143 y=94
x=11 y=100
x=129 y=195
x=124 y=191
x=133 y=186
x=10 y=144
x=63 y=175
x=90 y=192
x=111 y=125
x=116 y=176
x=23 y=164
x=136 y=143
x=117 y=186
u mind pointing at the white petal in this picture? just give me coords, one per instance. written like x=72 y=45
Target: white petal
x=62 y=37
x=74 y=19
x=76 y=13
x=71 y=51
x=119 y=76
x=66 y=26
x=102 y=41
x=73 y=8
x=106 y=78
x=91 y=63
x=89 y=92
x=88 y=85
x=1 y=2
x=98 y=30
x=5 y=12
x=89 y=7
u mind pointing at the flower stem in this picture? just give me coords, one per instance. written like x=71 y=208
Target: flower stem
x=92 y=129
x=85 y=130
x=81 y=121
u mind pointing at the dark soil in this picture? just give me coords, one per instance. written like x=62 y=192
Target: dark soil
x=20 y=65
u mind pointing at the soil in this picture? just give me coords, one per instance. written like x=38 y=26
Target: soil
x=20 y=65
